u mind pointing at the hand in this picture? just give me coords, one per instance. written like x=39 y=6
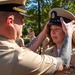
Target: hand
x=68 y=28
x=46 y=30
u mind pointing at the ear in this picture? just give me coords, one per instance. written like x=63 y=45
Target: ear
x=10 y=20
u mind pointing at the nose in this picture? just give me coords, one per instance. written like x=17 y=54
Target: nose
x=53 y=31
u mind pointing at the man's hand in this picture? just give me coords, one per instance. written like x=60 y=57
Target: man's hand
x=68 y=28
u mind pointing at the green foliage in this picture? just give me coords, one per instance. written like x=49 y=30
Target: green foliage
x=45 y=6
x=26 y=40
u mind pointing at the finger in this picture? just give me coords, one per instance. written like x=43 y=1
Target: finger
x=73 y=27
x=62 y=20
x=63 y=23
x=64 y=26
x=73 y=22
x=47 y=22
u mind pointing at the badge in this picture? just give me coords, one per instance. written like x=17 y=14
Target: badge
x=53 y=14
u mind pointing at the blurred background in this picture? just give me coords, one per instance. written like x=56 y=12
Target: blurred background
x=38 y=10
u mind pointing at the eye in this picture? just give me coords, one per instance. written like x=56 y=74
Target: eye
x=58 y=29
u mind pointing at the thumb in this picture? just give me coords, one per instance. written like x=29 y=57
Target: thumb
x=62 y=22
x=63 y=25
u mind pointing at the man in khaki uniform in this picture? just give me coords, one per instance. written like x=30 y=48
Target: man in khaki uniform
x=15 y=60
x=55 y=48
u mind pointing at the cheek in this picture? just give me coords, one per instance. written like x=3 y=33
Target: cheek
x=61 y=35
x=19 y=30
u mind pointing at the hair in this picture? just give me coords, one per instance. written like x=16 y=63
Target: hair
x=51 y=43
x=3 y=16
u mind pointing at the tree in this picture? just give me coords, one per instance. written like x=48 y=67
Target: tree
x=45 y=6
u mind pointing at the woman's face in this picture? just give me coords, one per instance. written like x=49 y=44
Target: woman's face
x=57 y=34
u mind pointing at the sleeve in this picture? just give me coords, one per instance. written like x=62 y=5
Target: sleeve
x=66 y=50
x=30 y=63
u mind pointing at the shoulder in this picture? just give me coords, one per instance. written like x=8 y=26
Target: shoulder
x=47 y=39
x=21 y=39
x=49 y=50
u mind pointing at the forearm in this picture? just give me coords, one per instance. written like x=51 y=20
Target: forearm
x=66 y=50
x=65 y=55
x=35 y=43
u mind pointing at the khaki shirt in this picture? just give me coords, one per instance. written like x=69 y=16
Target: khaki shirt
x=53 y=52
x=20 y=42
x=15 y=60
x=45 y=43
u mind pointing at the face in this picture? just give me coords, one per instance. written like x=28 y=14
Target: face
x=19 y=25
x=57 y=34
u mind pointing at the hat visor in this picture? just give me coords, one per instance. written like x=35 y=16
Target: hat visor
x=54 y=23
x=21 y=10
x=13 y=7
x=24 y=14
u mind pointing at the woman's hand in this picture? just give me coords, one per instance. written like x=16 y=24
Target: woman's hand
x=46 y=30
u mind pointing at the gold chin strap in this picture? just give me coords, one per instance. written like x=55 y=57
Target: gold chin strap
x=19 y=9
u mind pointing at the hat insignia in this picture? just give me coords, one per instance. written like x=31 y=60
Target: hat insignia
x=53 y=15
x=19 y=9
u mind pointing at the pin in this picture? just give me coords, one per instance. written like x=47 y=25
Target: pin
x=53 y=14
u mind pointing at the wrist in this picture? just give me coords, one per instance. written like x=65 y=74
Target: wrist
x=43 y=34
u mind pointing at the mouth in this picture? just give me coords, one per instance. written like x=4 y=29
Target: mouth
x=54 y=38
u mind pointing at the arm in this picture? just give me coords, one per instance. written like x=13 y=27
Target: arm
x=60 y=61
x=66 y=48
x=35 y=43
x=32 y=63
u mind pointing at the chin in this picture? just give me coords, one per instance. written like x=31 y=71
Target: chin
x=17 y=37
x=54 y=41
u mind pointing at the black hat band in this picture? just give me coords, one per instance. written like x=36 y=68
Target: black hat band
x=56 y=20
x=8 y=7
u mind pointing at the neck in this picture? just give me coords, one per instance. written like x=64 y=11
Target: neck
x=6 y=33
x=59 y=46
